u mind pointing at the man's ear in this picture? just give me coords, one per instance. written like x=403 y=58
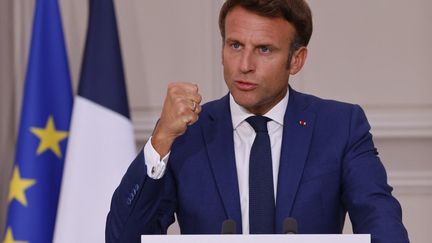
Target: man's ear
x=298 y=60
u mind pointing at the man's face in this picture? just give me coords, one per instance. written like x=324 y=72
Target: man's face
x=255 y=59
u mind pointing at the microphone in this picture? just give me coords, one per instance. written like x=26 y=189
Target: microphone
x=228 y=227
x=290 y=226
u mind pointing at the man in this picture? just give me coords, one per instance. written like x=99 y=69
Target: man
x=260 y=154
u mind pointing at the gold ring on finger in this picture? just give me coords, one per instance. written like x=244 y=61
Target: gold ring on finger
x=194 y=106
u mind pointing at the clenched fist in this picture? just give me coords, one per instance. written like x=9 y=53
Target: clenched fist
x=180 y=110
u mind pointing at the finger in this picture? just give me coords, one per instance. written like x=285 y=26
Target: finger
x=191 y=88
x=184 y=105
x=189 y=119
x=198 y=109
x=197 y=98
x=182 y=89
x=194 y=97
x=194 y=106
x=184 y=86
x=193 y=119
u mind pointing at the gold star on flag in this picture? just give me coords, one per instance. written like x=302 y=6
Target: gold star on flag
x=18 y=186
x=49 y=138
x=10 y=239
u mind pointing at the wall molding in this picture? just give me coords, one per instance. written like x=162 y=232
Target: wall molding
x=400 y=122
x=411 y=182
x=144 y=122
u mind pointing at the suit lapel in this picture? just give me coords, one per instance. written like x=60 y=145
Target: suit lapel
x=297 y=134
x=218 y=135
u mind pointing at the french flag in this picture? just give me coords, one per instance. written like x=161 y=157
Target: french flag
x=101 y=143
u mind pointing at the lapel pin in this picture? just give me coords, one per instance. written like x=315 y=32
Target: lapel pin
x=302 y=123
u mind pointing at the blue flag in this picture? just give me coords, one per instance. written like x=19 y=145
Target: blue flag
x=43 y=132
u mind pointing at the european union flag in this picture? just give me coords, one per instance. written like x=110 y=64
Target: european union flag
x=43 y=132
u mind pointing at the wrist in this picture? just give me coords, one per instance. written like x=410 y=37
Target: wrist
x=161 y=143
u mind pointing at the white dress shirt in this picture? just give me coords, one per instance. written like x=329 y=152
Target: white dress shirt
x=244 y=136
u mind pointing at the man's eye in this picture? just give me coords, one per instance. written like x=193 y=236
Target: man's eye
x=265 y=49
x=235 y=45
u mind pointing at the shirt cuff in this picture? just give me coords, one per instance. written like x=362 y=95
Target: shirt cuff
x=155 y=166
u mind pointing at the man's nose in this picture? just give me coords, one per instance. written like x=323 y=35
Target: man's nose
x=247 y=62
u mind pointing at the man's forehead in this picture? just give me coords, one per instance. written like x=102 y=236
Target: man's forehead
x=258 y=38
x=241 y=23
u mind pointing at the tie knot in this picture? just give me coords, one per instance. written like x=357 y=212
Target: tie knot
x=259 y=123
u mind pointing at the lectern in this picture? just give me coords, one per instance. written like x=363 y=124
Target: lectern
x=345 y=238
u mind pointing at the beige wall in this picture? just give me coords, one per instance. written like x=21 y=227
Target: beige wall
x=7 y=124
x=374 y=53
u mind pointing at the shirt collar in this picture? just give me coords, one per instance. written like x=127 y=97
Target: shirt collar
x=277 y=113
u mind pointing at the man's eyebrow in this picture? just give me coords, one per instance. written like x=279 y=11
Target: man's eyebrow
x=265 y=44
x=231 y=40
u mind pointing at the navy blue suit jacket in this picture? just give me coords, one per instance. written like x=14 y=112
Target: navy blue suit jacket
x=327 y=167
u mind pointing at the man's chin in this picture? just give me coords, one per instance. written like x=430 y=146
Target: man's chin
x=243 y=100
x=246 y=103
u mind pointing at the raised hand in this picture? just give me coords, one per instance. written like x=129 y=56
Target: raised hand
x=180 y=110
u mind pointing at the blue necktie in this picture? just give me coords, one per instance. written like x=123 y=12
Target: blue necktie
x=261 y=192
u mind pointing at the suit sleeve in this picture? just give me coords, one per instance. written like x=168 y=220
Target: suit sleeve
x=140 y=205
x=366 y=193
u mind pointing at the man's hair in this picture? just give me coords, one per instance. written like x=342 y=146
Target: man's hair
x=296 y=12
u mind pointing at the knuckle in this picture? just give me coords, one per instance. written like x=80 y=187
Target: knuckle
x=195 y=87
x=172 y=86
x=175 y=87
x=198 y=98
x=171 y=91
x=191 y=87
x=181 y=110
x=186 y=120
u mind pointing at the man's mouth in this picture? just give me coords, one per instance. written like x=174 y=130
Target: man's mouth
x=245 y=85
